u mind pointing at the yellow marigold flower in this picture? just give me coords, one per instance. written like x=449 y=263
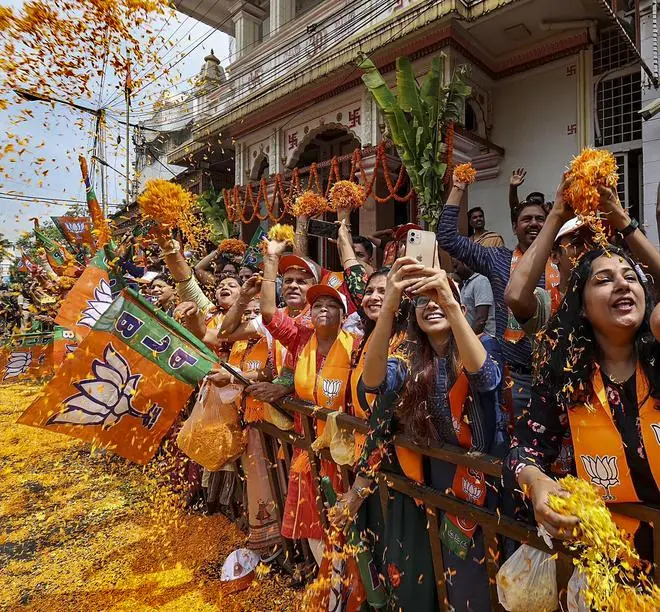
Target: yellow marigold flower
x=232 y=246
x=346 y=194
x=282 y=233
x=164 y=202
x=612 y=568
x=465 y=173
x=309 y=204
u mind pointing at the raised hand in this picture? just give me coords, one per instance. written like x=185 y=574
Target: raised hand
x=518 y=177
x=251 y=287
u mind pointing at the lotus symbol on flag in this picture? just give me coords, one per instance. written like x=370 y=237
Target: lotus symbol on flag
x=471 y=490
x=656 y=430
x=603 y=472
x=105 y=399
x=18 y=363
x=97 y=306
x=75 y=227
x=331 y=389
x=252 y=365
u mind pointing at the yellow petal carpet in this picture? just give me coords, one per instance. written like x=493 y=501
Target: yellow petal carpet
x=81 y=529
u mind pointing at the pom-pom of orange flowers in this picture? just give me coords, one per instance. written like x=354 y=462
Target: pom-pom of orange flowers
x=309 y=204
x=615 y=578
x=232 y=246
x=282 y=233
x=346 y=194
x=589 y=170
x=66 y=282
x=164 y=202
x=465 y=173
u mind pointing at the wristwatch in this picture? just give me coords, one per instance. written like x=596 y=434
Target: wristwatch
x=630 y=228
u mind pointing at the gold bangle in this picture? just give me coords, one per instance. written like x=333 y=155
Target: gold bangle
x=268 y=280
x=185 y=280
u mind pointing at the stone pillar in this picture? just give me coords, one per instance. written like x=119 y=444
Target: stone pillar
x=650 y=128
x=247 y=20
x=281 y=12
x=375 y=216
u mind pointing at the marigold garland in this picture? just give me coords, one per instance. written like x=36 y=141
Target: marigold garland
x=281 y=233
x=346 y=194
x=309 y=204
x=232 y=246
x=465 y=173
x=612 y=568
x=587 y=171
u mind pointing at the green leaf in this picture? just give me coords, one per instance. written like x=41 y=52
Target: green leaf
x=408 y=91
x=432 y=87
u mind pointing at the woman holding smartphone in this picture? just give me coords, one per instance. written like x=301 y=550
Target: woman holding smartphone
x=441 y=388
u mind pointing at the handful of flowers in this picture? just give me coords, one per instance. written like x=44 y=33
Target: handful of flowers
x=346 y=194
x=612 y=569
x=232 y=246
x=465 y=173
x=282 y=233
x=589 y=170
x=308 y=204
x=164 y=202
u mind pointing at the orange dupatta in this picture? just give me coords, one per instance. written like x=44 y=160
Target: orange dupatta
x=599 y=452
x=250 y=360
x=513 y=332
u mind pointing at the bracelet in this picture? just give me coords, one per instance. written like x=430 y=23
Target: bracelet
x=268 y=280
x=185 y=280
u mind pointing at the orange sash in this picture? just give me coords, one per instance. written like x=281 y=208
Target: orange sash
x=250 y=360
x=328 y=389
x=599 y=453
x=468 y=484
x=513 y=332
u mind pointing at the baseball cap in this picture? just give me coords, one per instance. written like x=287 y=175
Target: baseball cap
x=572 y=225
x=401 y=232
x=316 y=291
x=296 y=261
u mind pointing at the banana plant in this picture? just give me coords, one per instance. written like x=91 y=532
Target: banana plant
x=416 y=117
x=212 y=206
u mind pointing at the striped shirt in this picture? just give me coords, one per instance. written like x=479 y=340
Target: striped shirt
x=495 y=264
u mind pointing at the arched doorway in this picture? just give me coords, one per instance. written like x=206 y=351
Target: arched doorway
x=321 y=145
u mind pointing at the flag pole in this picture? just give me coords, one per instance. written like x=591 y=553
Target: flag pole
x=127 y=91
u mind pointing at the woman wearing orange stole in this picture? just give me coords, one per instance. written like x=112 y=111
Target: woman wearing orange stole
x=441 y=387
x=318 y=365
x=598 y=369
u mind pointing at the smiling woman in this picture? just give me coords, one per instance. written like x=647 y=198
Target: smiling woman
x=596 y=396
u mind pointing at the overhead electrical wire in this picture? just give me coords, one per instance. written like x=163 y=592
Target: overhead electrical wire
x=285 y=65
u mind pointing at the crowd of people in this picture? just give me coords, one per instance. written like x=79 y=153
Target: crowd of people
x=545 y=356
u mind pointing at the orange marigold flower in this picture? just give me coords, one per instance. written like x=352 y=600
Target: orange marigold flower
x=346 y=194
x=282 y=233
x=164 y=202
x=394 y=575
x=465 y=173
x=232 y=246
x=309 y=204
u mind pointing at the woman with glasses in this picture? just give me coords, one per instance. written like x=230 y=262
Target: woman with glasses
x=440 y=388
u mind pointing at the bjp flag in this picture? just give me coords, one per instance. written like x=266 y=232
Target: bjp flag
x=78 y=233
x=26 y=357
x=90 y=297
x=126 y=383
x=64 y=343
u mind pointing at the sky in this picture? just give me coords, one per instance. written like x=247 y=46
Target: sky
x=65 y=137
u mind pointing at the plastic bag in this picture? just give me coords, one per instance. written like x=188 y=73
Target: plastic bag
x=212 y=436
x=576 y=586
x=528 y=581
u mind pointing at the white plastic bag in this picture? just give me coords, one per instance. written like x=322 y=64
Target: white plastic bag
x=576 y=586
x=528 y=581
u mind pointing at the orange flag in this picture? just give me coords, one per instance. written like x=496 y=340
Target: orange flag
x=126 y=383
x=101 y=227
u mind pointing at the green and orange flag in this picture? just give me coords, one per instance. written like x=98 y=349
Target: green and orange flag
x=26 y=357
x=78 y=233
x=126 y=383
x=91 y=296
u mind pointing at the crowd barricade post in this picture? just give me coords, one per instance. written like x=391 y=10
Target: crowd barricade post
x=494 y=525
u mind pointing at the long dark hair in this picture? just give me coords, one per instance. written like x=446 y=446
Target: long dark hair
x=567 y=354
x=413 y=410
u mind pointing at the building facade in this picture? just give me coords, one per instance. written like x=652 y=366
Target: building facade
x=548 y=78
